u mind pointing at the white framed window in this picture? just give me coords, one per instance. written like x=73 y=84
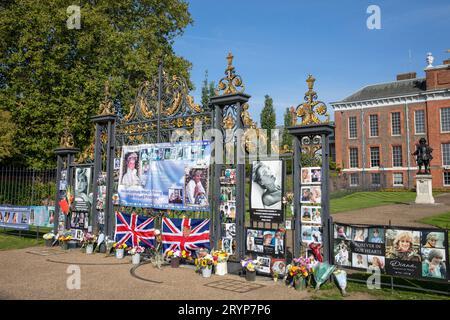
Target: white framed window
x=419 y=121
x=373 y=122
x=396 y=129
x=446 y=178
x=445 y=120
x=397 y=158
x=397 y=179
x=354 y=163
x=352 y=129
x=354 y=180
x=445 y=154
x=374 y=156
x=376 y=179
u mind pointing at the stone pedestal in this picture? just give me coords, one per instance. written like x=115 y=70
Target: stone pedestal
x=424 y=189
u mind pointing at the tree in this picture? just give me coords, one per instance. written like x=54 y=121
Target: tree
x=287 y=138
x=49 y=72
x=207 y=91
x=268 y=117
x=7 y=132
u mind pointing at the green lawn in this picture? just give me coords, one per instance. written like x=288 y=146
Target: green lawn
x=440 y=221
x=9 y=238
x=360 y=200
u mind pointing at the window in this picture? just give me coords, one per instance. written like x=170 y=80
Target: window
x=354 y=158
x=446 y=178
x=352 y=131
x=374 y=156
x=445 y=119
x=376 y=177
x=395 y=123
x=446 y=154
x=419 y=120
x=354 y=179
x=373 y=119
x=398 y=179
x=397 y=159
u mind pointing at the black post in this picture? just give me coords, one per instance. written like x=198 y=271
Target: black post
x=297 y=206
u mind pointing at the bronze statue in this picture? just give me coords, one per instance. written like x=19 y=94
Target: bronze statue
x=423 y=153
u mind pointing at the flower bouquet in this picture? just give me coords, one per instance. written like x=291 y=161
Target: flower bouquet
x=299 y=272
x=322 y=272
x=64 y=239
x=49 y=238
x=221 y=258
x=88 y=242
x=249 y=266
x=174 y=256
x=136 y=254
x=120 y=249
x=205 y=265
x=341 y=279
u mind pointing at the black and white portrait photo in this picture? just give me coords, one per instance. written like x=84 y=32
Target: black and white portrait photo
x=227 y=245
x=82 y=182
x=267 y=185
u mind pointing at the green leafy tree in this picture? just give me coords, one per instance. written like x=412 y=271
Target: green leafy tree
x=7 y=132
x=287 y=138
x=207 y=90
x=49 y=72
x=268 y=117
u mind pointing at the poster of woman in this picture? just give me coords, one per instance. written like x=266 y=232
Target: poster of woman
x=196 y=186
x=266 y=188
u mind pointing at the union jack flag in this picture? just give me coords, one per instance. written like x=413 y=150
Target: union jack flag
x=185 y=234
x=130 y=229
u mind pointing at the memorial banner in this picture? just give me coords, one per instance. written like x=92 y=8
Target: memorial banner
x=268 y=242
x=15 y=217
x=398 y=251
x=42 y=216
x=166 y=176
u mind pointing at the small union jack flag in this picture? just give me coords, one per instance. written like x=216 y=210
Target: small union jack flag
x=134 y=230
x=185 y=234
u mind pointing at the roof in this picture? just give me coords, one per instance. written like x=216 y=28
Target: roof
x=390 y=89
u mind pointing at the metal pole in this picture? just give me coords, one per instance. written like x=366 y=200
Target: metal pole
x=325 y=198
x=296 y=171
x=159 y=99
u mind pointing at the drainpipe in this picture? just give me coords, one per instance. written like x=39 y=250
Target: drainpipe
x=408 y=148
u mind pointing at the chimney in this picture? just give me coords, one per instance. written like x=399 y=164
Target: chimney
x=447 y=62
x=406 y=76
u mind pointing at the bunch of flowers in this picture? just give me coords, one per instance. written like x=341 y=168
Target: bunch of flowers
x=49 y=236
x=249 y=264
x=185 y=254
x=88 y=238
x=205 y=262
x=173 y=254
x=65 y=238
x=136 y=250
x=220 y=256
x=305 y=266
x=117 y=245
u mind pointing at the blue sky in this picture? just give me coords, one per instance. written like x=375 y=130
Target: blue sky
x=276 y=44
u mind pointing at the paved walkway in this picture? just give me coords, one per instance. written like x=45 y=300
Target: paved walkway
x=398 y=214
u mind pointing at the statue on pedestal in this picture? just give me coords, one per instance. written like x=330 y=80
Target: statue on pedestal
x=423 y=153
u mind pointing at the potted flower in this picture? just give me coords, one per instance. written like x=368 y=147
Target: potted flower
x=88 y=242
x=185 y=255
x=64 y=241
x=174 y=256
x=120 y=249
x=49 y=237
x=221 y=258
x=205 y=265
x=136 y=254
x=249 y=266
x=300 y=272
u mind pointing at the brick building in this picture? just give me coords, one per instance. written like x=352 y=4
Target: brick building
x=378 y=127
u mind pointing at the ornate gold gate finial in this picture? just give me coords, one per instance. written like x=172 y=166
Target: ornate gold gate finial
x=106 y=106
x=311 y=109
x=231 y=81
x=67 y=138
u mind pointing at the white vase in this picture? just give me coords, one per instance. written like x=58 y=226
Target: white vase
x=89 y=249
x=221 y=268
x=206 y=272
x=136 y=258
x=119 y=253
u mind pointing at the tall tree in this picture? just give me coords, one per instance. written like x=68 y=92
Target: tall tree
x=7 y=132
x=49 y=72
x=207 y=90
x=287 y=138
x=268 y=118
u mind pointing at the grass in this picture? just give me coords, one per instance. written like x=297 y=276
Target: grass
x=10 y=239
x=440 y=221
x=360 y=200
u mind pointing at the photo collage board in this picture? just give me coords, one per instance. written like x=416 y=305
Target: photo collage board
x=227 y=209
x=397 y=251
x=310 y=207
x=269 y=247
